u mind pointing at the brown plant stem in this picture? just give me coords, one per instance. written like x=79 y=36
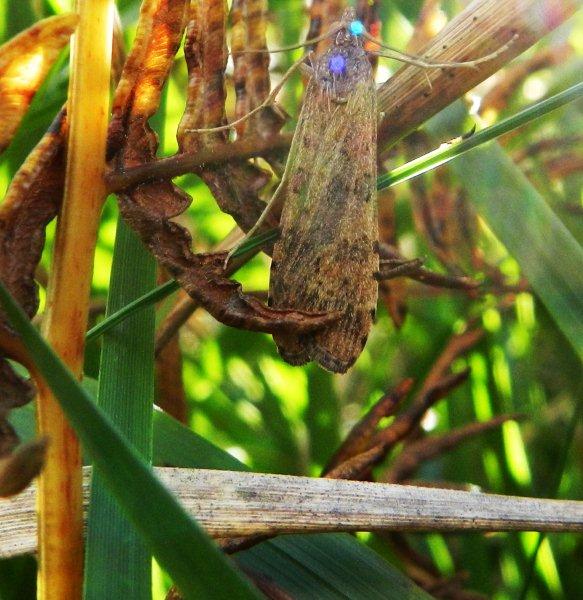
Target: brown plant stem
x=60 y=485
x=187 y=162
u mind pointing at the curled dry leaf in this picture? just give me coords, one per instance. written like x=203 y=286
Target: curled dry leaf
x=32 y=200
x=149 y=207
x=24 y=63
x=251 y=69
x=19 y=468
x=234 y=185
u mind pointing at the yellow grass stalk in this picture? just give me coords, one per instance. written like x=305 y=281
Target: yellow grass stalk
x=59 y=498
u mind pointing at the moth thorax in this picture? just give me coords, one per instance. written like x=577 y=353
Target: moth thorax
x=341 y=68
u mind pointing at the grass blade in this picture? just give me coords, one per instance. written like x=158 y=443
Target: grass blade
x=126 y=395
x=143 y=301
x=547 y=253
x=448 y=152
x=180 y=546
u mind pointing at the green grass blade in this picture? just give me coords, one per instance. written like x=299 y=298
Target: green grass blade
x=194 y=562
x=126 y=395
x=310 y=558
x=333 y=566
x=177 y=446
x=147 y=299
x=448 y=152
x=547 y=253
x=329 y=567
x=256 y=242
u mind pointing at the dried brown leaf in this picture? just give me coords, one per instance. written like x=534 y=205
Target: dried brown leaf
x=359 y=438
x=25 y=61
x=32 y=200
x=19 y=468
x=234 y=185
x=427 y=448
x=251 y=69
x=149 y=207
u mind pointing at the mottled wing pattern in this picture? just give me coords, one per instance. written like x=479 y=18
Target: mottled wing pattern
x=327 y=257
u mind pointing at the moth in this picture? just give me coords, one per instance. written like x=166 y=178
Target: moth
x=326 y=258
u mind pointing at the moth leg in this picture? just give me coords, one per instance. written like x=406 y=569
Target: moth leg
x=274 y=207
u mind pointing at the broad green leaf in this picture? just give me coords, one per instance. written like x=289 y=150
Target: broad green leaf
x=328 y=567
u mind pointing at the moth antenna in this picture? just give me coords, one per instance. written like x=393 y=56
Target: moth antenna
x=419 y=62
x=334 y=29
x=429 y=84
x=273 y=94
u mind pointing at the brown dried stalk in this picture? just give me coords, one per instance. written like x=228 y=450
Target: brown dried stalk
x=415 y=454
x=60 y=493
x=360 y=436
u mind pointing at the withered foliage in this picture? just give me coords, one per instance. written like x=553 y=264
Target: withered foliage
x=149 y=207
x=31 y=202
x=234 y=185
x=33 y=197
x=25 y=61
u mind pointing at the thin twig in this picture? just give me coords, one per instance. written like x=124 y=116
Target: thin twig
x=179 y=164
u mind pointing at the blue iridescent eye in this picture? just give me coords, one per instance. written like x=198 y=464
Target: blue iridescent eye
x=356 y=28
x=337 y=64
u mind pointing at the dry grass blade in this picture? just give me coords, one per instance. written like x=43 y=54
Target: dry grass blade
x=231 y=504
x=483 y=27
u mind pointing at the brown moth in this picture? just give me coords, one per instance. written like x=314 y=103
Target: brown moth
x=326 y=257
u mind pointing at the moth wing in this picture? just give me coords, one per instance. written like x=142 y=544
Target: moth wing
x=327 y=257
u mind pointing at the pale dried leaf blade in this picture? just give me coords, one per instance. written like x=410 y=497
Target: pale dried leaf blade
x=231 y=504
x=24 y=63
